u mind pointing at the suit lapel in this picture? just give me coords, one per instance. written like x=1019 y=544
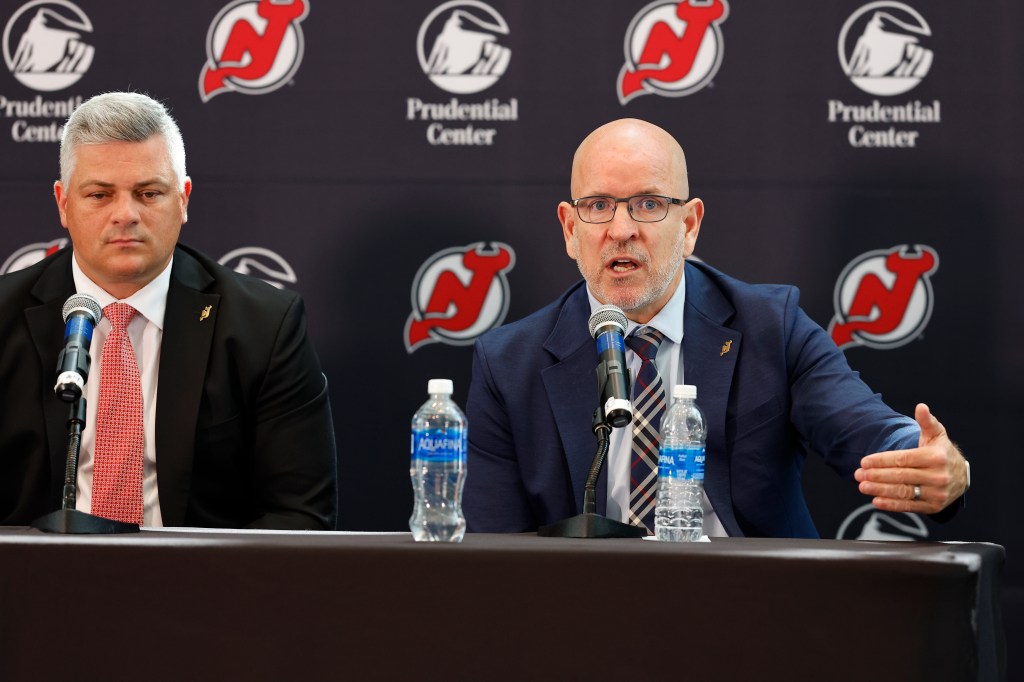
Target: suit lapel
x=710 y=350
x=184 y=354
x=571 y=386
x=46 y=326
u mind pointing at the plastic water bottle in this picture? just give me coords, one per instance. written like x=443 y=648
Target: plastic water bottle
x=679 y=514
x=438 y=466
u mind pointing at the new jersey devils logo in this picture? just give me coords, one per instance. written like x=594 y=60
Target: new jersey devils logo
x=672 y=49
x=883 y=299
x=253 y=47
x=458 y=294
x=30 y=254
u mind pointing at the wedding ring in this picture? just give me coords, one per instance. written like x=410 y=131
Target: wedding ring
x=917 y=492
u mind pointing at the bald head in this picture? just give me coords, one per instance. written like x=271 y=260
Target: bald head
x=626 y=259
x=635 y=141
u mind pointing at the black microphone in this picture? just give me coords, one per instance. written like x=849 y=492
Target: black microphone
x=82 y=313
x=608 y=327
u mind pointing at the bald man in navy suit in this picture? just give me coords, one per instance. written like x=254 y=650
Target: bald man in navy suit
x=771 y=382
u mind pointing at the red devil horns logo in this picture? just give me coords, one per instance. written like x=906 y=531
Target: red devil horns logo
x=883 y=299
x=458 y=294
x=681 y=48
x=246 y=58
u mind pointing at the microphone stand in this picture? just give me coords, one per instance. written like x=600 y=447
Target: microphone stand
x=68 y=519
x=590 y=524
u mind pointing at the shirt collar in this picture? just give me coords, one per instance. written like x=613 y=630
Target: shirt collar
x=150 y=300
x=668 y=320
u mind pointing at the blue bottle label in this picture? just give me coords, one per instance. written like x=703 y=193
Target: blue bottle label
x=672 y=462
x=681 y=462
x=695 y=463
x=439 y=445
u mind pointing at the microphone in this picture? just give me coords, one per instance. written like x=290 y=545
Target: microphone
x=608 y=327
x=82 y=313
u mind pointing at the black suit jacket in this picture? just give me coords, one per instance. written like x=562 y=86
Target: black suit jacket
x=244 y=435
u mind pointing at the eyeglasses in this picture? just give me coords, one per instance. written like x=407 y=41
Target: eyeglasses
x=643 y=208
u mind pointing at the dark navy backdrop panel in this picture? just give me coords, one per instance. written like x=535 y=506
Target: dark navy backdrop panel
x=340 y=149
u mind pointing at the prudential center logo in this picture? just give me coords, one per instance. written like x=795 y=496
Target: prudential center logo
x=46 y=44
x=465 y=51
x=883 y=48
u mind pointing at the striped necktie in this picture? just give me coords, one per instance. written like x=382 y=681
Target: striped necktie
x=648 y=408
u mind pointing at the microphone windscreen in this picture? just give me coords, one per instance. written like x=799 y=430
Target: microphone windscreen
x=607 y=314
x=85 y=303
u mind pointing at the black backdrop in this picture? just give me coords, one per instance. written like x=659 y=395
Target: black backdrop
x=322 y=158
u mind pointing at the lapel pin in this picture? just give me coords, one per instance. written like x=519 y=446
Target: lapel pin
x=725 y=347
x=206 y=313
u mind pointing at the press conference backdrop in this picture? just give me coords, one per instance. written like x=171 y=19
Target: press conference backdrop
x=399 y=165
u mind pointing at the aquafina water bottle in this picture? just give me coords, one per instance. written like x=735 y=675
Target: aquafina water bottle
x=438 y=466
x=679 y=515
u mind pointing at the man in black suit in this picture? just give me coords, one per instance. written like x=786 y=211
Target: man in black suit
x=236 y=423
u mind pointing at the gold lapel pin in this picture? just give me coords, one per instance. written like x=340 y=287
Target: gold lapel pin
x=725 y=347
x=206 y=313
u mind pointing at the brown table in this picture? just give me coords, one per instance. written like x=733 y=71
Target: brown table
x=186 y=605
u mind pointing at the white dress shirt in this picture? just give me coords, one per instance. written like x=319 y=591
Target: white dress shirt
x=668 y=321
x=146 y=332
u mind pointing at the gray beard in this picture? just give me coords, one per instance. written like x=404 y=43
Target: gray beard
x=657 y=285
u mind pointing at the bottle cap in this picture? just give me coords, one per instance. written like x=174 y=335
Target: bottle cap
x=440 y=386
x=680 y=391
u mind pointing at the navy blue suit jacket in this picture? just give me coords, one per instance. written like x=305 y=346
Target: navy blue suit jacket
x=783 y=388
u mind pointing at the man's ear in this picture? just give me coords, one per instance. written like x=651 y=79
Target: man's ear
x=691 y=224
x=61 y=198
x=567 y=216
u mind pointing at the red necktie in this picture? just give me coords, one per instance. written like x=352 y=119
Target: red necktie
x=117 y=457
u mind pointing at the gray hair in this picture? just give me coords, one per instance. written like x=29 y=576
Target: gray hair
x=120 y=117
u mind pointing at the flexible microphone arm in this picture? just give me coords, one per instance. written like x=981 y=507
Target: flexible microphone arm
x=67 y=519
x=602 y=431
x=76 y=423
x=590 y=524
